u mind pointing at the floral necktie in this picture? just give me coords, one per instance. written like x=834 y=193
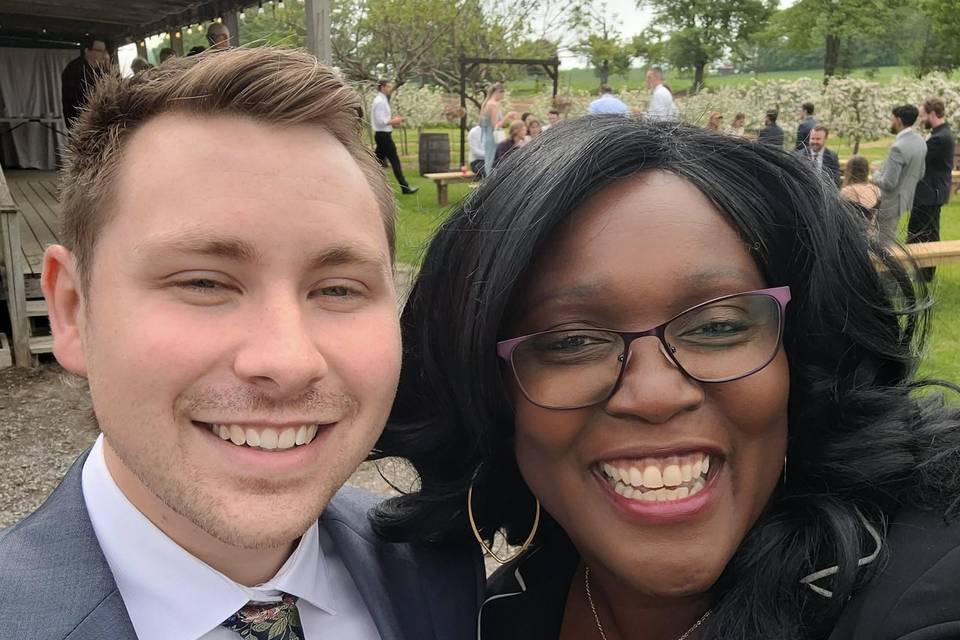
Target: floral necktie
x=268 y=620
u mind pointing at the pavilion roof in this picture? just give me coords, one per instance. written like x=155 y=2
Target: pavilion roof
x=53 y=22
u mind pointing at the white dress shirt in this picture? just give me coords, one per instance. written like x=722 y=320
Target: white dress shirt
x=380 y=113
x=661 y=104
x=169 y=593
x=475 y=140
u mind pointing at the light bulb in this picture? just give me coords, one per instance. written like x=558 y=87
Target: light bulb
x=189 y=30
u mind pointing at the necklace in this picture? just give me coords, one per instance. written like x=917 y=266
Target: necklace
x=596 y=616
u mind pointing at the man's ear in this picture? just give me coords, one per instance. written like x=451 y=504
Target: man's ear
x=61 y=288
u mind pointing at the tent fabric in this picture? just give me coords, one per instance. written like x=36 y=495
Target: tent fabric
x=30 y=88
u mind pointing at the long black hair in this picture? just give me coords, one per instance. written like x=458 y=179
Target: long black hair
x=862 y=442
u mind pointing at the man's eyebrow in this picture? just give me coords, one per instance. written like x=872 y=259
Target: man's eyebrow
x=204 y=244
x=349 y=254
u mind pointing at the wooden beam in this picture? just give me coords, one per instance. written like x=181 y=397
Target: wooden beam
x=232 y=21
x=14 y=269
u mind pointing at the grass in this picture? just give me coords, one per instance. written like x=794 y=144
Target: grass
x=420 y=215
x=587 y=80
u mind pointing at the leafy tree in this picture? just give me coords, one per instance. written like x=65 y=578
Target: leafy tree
x=931 y=37
x=700 y=31
x=600 y=41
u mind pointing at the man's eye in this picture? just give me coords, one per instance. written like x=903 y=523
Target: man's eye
x=336 y=291
x=203 y=285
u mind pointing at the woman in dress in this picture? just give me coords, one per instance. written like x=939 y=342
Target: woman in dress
x=492 y=121
x=678 y=383
x=858 y=190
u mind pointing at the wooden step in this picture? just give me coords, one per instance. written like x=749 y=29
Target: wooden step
x=41 y=344
x=6 y=354
x=36 y=308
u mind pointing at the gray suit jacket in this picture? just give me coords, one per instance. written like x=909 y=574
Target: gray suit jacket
x=900 y=173
x=56 y=584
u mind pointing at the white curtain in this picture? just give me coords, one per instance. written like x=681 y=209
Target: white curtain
x=30 y=87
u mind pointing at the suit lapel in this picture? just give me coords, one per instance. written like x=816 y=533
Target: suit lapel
x=108 y=620
x=387 y=580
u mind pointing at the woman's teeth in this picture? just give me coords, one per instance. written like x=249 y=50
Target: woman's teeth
x=658 y=480
x=268 y=439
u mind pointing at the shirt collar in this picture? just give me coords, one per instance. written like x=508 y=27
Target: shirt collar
x=168 y=592
x=904 y=131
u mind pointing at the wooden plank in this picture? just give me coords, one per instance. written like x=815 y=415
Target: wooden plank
x=47 y=218
x=41 y=344
x=451 y=176
x=50 y=209
x=929 y=254
x=14 y=269
x=6 y=355
x=37 y=308
x=29 y=240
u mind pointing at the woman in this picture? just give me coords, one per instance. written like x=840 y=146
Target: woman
x=534 y=129
x=736 y=125
x=517 y=139
x=490 y=122
x=715 y=121
x=690 y=361
x=858 y=189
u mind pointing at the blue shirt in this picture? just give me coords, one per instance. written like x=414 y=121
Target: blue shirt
x=608 y=103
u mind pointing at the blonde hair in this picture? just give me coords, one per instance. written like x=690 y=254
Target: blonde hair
x=271 y=85
x=516 y=127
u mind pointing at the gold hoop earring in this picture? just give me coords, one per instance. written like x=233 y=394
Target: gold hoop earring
x=485 y=546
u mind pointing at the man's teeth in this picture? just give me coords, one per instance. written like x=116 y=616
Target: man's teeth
x=658 y=479
x=268 y=439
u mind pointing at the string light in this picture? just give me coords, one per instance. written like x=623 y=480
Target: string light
x=280 y=5
x=177 y=34
x=143 y=44
x=219 y=20
x=190 y=30
x=260 y=8
x=243 y=16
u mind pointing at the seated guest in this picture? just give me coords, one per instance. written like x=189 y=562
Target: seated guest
x=816 y=153
x=715 y=121
x=533 y=129
x=139 y=65
x=858 y=190
x=553 y=117
x=736 y=125
x=771 y=134
x=477 y=154
x=166 y=53
x=695 y=382
x=517 y=138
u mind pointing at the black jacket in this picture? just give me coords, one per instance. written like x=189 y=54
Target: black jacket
x=76 y=81
x=934 y=188
x=830 y=168
x=916 y=596
x=771 y=135
x=803 y=132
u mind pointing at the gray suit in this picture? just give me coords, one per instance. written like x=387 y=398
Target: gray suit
x=898 y=178
x=56 y=584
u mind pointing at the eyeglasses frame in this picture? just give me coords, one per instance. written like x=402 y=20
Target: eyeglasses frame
x=781 y=295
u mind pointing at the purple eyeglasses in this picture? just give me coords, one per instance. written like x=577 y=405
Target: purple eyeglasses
x=720 y=340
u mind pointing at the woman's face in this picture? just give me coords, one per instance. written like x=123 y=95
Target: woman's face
x=639 y=252
x=534 y=128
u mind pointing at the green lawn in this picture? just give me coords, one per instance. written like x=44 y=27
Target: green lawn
x=419 y=216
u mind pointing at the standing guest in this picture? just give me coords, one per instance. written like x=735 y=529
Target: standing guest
x=166 y=53
x=477 y=152
x=240 y=339
x=608 y=103
x=901 y=171
x=492 y=122
x=933 y=191
x=553 y=117
x=715 y=121
x=824 y=160
x=807 y=123
x=139 y=65
x=218 y=36
x=80 y=76
x=697 y=383
x=661 y=104
x=736 y=125
x=859 y=191
x=383 y=122
x=518 y=138
x=771 y=134
x=533 y=129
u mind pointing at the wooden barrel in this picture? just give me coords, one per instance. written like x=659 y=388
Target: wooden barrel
x=434 y=153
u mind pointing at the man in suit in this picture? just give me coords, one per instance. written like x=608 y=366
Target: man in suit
x=81 y=75
x=823 y=159
x=771 y=133
x=901 y=171
x=807 y=123
x=933 y=191
x=234 y=314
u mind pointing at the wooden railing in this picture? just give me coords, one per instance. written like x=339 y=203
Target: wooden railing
x=13 y=270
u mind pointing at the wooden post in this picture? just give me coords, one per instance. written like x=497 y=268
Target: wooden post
x=463 y=113
x=176 y=41
x=14 y=269
x=232 y=21
x=142 y=49
x=317 y=13
x=442 y=198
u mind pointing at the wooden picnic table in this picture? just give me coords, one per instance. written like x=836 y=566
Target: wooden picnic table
x=444 y=179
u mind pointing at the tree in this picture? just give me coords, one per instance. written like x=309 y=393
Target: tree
x=700 y=31
x=600 y=41
x=931 y=37
x=842 y=26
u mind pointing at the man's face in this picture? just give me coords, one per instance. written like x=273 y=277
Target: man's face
x=387 y=89
x=924 y=117
x=653 y=79
x=244 y=292
x=219 y=36
x=96 y=54
x=896 y=125
x=553 y=118
x=818 y=139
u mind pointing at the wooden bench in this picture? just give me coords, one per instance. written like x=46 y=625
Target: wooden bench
x=930 y=254
x=444 y=179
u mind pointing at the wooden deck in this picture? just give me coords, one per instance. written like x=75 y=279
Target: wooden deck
x=36 y=194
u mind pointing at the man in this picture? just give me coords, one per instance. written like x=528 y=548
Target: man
x=771 y=133
x=383 y=123
x=807 y=123
x=80 y=76
x=234 y=313
x=553 y=117
x=661 y=104
x=901 y=171
x=477 y=152
x=218 y=36
x=933 y=191
x=608 y=103
x=166 y=53
x=823 y=159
